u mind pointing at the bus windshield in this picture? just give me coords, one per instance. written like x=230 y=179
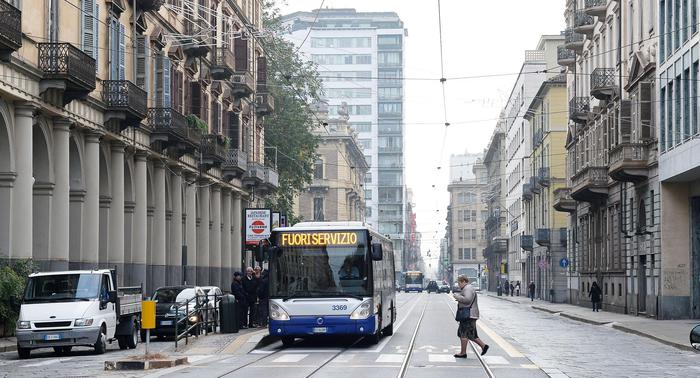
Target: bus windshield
x=414 y=278
x=313 y=266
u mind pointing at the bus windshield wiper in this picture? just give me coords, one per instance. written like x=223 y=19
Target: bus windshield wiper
x=342 y=295
x=321 y=294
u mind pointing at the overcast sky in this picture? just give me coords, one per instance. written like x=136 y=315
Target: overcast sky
x=480 y=37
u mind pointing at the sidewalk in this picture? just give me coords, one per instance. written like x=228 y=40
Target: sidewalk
x=671 y=332
x=8 y=344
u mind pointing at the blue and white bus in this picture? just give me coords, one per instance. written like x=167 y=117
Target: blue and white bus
x=413 y=281
x=331 y=278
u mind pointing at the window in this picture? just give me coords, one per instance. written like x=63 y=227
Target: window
x=365 y=143
x=389 y=58
x=389 y=93
x=368 y=211
x=390 y=107
x=318 y=169
x=662 y=119
x=346 y=76
x=342 y=42
x=389 y=40
x=686 y=104
x=460 y=234
x=619 y=290
x=348 y=92
x=341 y=59
x=90 y=26
x=368 y=194
x=362 y=127
x=351 y=109
x=117 y=64
x=368 y=178
x=318 y=209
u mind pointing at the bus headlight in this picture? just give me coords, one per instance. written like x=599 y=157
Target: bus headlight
x=277 y=313
x=363 y=311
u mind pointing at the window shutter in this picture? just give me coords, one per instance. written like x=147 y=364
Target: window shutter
x=141 y=62
x=176 y=88
x=240 y=50
x=88 y=27
x=96 y=37
x=166 y=82
x=646 y=106
x=625 y=121
x=262 y=73
x=196 y=98
x=234 y=129
x=122 y=52
x=113 y=48
x=159 y=81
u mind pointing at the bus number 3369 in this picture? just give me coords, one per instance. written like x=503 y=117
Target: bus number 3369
x=339 y=307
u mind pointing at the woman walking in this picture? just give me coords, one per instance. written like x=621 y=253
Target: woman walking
x=466 y=299
x=595 y=293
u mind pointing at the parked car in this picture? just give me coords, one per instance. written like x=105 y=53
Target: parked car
x=183 y=305
x=695 y=337
x=432 y=287
x=213 y=305
x=444 y=288
x=77 y=308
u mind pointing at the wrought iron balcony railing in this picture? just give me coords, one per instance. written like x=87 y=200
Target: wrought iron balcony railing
x=213 y=152
x=563 y=201
x=255 y=174
x=224 y=63
x=526 y=242
x=235 y=163
x=596 y=8
x=603 y=83
x=63 y=61
x=243 y=84
x=500 y=245
x=565 y=57
x=537 y=137
x=171 y=129
x=264 y=103
x=527 y=192
x=579 y=107
x=533 y=185
x=10 y=29
x=583 y=22
x=543 y=236
x=590 y=183
x=150 y=5
x=271 y=178
x=125 y=96
x=543 y=177
x=629 y=162
x=573 y=40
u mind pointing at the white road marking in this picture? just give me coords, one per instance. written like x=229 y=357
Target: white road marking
x=343 y=358
x=256 y=351
x=49 y=362
x=506 y=346
x=495 y=360
x=441 y=358
x=288 y=351
x=287 y=358
x=396 y=328
x=195 y=358
x=529 y=366
x=390 y=357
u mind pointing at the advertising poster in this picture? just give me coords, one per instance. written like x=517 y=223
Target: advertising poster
x=257 y=225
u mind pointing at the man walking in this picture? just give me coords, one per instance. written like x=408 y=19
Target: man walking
x=241 y=300
x=531 y=291
x=250 y=286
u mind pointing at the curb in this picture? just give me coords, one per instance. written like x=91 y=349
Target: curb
x=8 y=348
x=265 y=341
x=652 y=337
x=536 y=307
x=581 y=319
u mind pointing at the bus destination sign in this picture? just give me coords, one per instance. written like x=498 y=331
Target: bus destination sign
x=319 y=239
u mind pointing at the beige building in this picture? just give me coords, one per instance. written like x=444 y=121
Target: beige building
x=129 y=137
x=466 y=219
x=336 y=193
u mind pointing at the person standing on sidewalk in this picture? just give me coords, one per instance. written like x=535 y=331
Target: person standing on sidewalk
x=241 y=300
x=507 y=287
x=512 y=288
x=531 y=290
x=250 y=286
x=467 y=297
x=263 y=298
x=595 y=294
x=517 y=288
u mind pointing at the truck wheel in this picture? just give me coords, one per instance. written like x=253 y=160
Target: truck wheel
x=101 y=343
x=23 y=353
x=133 y=340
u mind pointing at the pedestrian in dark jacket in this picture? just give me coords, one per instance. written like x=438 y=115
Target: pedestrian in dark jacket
x=512 y=288
x=531 y=291
x=596 y=296
x=263 y=298
x=241 y=300
x=250 y=286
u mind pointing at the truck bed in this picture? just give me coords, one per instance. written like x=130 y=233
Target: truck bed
x=129 y=300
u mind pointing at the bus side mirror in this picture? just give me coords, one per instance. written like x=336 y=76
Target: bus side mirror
x=377 y=252
x=695 y=337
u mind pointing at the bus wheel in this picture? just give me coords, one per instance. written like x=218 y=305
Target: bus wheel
x=374 y=338
x=389 y=330
x=287 y=341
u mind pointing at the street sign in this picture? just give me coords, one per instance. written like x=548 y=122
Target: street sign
x=257 y=225
x=564 y=262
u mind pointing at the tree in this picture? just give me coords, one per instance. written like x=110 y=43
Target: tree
x=294 y=83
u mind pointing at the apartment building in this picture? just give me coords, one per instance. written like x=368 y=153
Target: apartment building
x=610 y=53
x=678 y=270
x=336 y=192
x=132 y=137
x=467 y=215
x=545 y=239
x=496 y=250
x=462 y=165
x=360 y=59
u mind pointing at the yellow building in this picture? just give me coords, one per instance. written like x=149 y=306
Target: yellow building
x=546 y=238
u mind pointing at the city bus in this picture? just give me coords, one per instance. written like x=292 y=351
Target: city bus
x=331 y=278
x=414 y=281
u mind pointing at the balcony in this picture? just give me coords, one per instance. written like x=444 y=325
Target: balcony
x=125 y=101
x=197 y=41
x=264 y=103
x=596 y=8
x=150 y=5
x=170 y=130
x=10 y=30
x=565 y=57
x=68 y=71
x=213 y=151
x=537 y=138
x=235 y=164
x=526 y=242
x=579 y=108
x=500 y=245
x=563 y=201
x=603 y=83
x=270 y=180
x=243 y=84
x=543 y=236
x=590 y=184
x=543 y=178
x=573 y=41
x=583 y=23
x=563 y=237
x=223 y=64
x=629 y=162
x=254 y=175
x=533 y=185
x=527 y=192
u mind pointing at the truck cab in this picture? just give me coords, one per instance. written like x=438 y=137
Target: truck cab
x=76 y=308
